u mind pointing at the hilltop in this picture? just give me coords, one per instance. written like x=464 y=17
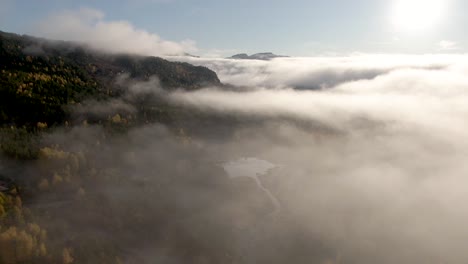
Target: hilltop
x=257 y=56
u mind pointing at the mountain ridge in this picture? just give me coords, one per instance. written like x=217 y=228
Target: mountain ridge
x=39 y=77
x=257 y=56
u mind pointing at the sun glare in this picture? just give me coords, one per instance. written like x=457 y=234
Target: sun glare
x=418 y=15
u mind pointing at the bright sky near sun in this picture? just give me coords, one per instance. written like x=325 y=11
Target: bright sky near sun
x=295 y=27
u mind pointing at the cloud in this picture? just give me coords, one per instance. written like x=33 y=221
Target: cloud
x=411 y=89
x=373 y=165
x=90 y=26
x=387 y=177
x=446 y=45
x=315 y=72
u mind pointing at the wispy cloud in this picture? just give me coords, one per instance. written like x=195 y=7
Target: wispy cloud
x=90 y=26
x=447 y=45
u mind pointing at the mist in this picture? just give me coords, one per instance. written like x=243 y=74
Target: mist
x=369 y=154
x=318 y=72
x=386 y=184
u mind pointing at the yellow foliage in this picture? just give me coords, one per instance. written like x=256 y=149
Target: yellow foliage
x=3 y=198
x=7 y=246
x=5 y=201
x=66 y=256
x=34 y=229
x=57 y=179
x=25 y=244
x=50 y=153
x=42 y=252
x=41 y=125
x=2 y=211
x=116 y=119
x=43 y=235
x=18 y=202
x=21 y=246
x=14 y=191
x=44 y=185
x=18 y=214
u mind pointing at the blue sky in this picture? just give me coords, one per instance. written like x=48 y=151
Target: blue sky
x=295 y=27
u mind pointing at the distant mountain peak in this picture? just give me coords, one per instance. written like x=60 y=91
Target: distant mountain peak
x=257 y=56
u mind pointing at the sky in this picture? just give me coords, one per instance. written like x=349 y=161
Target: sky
x=296 y=27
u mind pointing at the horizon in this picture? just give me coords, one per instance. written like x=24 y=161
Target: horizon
x=195 y=55
x=212 y=28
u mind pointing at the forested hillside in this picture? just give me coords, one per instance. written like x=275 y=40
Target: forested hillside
x=40 y=77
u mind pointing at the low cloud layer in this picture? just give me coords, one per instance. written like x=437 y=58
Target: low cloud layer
x=388 y=186
x=89 y=26
x=372 y=157
x=371 y=165
x=317 y=72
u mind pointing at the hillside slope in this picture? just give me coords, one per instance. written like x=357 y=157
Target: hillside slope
x=39 y=77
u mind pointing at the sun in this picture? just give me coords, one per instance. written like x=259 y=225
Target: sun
x=418 y=15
